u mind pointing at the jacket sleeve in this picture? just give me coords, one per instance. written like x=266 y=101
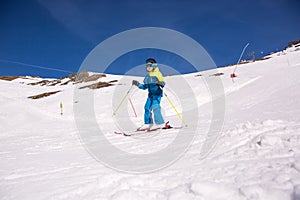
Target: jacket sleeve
x=142 y=86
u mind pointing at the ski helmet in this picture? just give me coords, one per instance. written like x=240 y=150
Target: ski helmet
x=150 y=64
x=151 y=60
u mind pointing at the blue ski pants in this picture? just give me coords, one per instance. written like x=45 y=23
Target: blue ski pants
x=153 y=104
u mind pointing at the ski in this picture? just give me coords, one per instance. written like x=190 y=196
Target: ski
x=134 y=133
x=145 y=131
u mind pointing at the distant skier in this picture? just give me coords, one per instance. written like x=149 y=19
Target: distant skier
x=154 y=82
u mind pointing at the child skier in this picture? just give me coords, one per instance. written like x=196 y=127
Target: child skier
x=154 y=82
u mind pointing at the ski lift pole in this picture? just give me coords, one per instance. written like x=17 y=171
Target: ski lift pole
x=122 y=101
x=173 y=106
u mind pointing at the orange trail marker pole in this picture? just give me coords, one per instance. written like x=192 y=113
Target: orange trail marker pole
x=61 y=108
x=233 y=73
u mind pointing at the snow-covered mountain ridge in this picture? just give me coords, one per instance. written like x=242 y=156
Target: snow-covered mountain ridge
x=256 y=157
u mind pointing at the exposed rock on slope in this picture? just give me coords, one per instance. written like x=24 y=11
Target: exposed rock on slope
x=46 y=94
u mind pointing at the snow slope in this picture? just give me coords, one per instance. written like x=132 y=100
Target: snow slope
x=256 y=157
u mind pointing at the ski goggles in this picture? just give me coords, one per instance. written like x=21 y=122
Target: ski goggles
x=149 y=64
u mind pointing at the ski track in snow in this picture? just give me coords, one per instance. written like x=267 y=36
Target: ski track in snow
x=257 y=156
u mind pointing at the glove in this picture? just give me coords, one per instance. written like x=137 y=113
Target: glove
x=136 y=83
x=161 y=84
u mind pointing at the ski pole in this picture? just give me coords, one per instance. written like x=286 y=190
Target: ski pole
x=132 y=107
x=178 y=114
x=122 y=101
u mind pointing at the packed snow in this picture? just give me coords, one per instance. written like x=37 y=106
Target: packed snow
x=256 y=155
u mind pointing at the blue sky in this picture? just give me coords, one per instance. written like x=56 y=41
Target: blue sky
x=37 y=35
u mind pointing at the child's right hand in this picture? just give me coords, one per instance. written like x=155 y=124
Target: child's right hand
x=136 y=83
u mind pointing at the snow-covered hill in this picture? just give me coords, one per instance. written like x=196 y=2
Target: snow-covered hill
x=256 y=156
